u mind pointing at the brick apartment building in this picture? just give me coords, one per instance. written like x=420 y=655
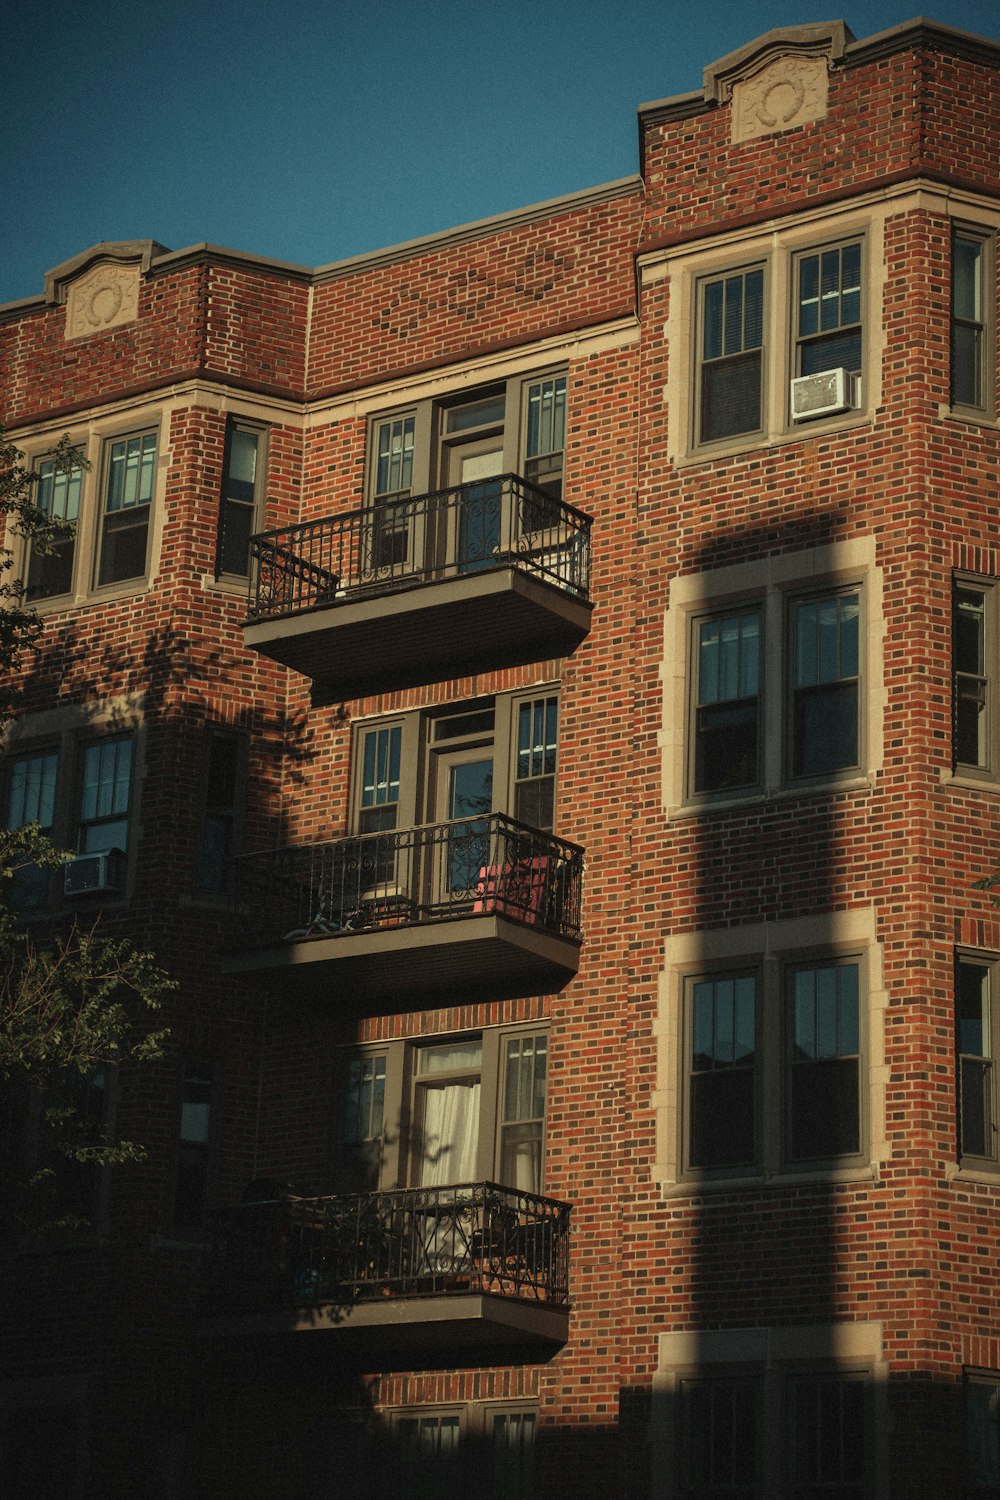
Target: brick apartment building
x=582 y=1082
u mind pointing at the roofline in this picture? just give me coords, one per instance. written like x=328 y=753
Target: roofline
x=170 y=260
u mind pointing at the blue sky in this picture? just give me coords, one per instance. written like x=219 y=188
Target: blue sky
x=313 y=133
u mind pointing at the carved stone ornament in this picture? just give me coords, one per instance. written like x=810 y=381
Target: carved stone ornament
x=103 y=297
x=790 y=91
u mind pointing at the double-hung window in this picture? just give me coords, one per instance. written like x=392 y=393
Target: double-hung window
x=197 y=1130
x=974 y=654
x=31 y=798
x=828 y=310
x=823 y=1069
x=726 y=727
x=57 y=495
x=972 y=293
x=982 y=1435
x=825 y=689
x=105 y=795
x=225 y=790
x=240 y=503
x=130 y=474
x=976 y=1037
x=731 y=343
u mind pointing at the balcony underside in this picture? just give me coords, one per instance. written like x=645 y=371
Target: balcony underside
x=400 y=637
x=483 y=955
x=382 y=1330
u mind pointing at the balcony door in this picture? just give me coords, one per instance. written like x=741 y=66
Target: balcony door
x=472 y=457
x=464 y=797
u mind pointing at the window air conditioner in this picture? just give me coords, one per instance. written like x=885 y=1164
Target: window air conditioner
x=822 y=394
x=94 y=874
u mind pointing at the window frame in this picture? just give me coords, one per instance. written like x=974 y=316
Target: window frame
x=254 y=507
x=983 y=327
x=989 y=965
x=987 y=768
x=100 y=584
x=697 y=621
x=214 y=734
x=693 y=1170
x=801 y=341
x=75 y=478
x=398 y=1146
x=698 y=439
x=800 y=963
x=86 y=743
x=189 y=1065
x=990 y=1380
x=793 y=690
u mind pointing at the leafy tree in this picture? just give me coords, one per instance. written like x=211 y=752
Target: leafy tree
x=74 y=1002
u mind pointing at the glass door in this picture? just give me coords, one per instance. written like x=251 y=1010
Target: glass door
x=465 y=779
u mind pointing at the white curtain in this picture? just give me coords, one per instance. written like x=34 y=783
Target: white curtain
x=450 y=1133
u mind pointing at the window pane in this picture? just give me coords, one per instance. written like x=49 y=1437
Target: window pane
x=394 y=456
x=104 y=802
x=982 y=1435
x=726 y=728
x=32 y=794
x=824 y=1083
x=513 y=1455
x=827 y=1452
x=732 y=318
x=718 y=1421
x=721 y=1110
x=967 y=278
x=826 y=695
x=974 y=1045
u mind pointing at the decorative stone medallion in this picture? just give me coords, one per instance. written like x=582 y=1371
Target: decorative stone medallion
x=790 y=91
x=106 y=295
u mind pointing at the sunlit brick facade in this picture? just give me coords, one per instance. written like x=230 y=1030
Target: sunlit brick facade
x=536 y=688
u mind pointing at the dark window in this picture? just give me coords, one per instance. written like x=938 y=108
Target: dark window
x=825 y=683
x=128 y=497
x=195 y=1138
x=224 y=790
x=827 y=1451
x=719 y=1421
x=727 y=709
x=511 y=1435
x=105 y=795
x=824 y=1063
x=970 y=260
x=31 y=798
x=973 y=634
x=50 y=572
x=364 y=1117
x=982 y=1436
x=238 y=505
x=722 y=1107
x=731 y=355
x=974 y=1046
x=828 y=326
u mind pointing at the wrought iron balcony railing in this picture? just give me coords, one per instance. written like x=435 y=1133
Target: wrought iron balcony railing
x=398 y=544
x=402 y=877
x=415 y=1242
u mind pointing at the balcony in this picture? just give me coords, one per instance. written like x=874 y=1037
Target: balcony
x=468 y=579
x=416 y=1271
x=485 y=904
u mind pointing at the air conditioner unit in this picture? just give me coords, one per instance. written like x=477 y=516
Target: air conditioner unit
x=822 y=395
x=94 y=874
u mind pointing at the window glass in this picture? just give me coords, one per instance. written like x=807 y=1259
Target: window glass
x=57 y=494
x=239 y=499
x=719 y=1420
x=827 y=1451
x=522 y=1128
x=824 y=1083
x=513 y=1455
x=31 y=798
x=380 y=778
x=731 y=360
x=106 y=790
x=223 y=796
x=982 y=1436
x=128 y=494
x=394 y=456
x=972 y=706
x=974 y=1046
x=727 y=710
x=722 y=1081
x=829 y=312
x=968 y=321
x=535 y=769
x=825 y=698
x=194 y=1141
x=545 y=436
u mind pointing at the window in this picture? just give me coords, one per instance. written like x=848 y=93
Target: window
x=130 y=473
x=31 y=798
x=485 y=1449
x=455 y=1109
x=494 y=755
x=828 y=333
x=974 y=651
x=105 y=795
x=768 y=1413
x=726 y=725
x=731 y=355
x=195 y=1148
x=515 y=427
x=731 y=686
x=975 y=1052
x=225 y=780
x=57 y=494
x=736 y=1071
x=825 y=683
x=971 y=320
x=240 y=503
x=982 y=1435
x=824 y=1062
